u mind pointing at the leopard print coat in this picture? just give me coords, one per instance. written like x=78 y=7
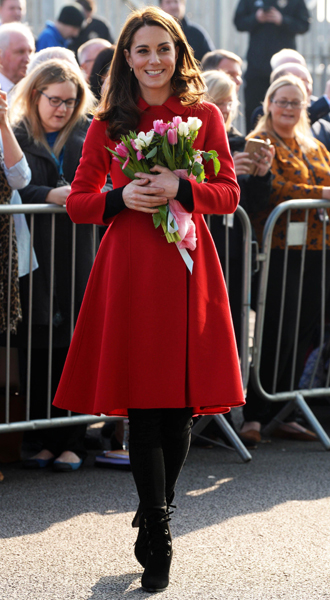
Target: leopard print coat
x=15 y=314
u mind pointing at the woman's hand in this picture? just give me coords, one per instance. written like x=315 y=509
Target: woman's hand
x=326 y=193
x=242 y=163
x=3 y=109
x=166 y=179
x=58 y=195
x=263 y=160
x=143 y=196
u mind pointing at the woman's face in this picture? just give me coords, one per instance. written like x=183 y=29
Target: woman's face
x=153 y=57
x=226 y=105
x=55 y=118
x=285 y=109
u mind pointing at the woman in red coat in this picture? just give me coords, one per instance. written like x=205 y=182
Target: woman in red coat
x=152 y=340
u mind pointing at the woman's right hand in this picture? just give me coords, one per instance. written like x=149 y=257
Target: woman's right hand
x=242 y=163
x=58 y=195
x=326 y=193
x=137 y=196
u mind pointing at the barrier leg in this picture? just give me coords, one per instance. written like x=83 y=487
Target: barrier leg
x=312 y=420
x=230 y=434
x=278 y=420
x=308 y=414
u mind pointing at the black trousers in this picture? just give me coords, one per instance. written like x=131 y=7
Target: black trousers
x=260 y=410
x=159 y=441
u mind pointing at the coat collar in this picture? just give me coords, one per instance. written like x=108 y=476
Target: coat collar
x=173 y=103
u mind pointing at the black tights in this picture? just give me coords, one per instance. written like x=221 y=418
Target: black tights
x=159 y=440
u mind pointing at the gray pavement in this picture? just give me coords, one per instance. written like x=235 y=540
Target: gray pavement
x=256 y=531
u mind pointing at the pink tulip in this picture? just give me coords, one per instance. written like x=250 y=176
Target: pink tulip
x=134 y=146
x=116 y=158
x=122 y=150
x=176 y=121
x=160 y=127
x=125 y=163
x=139 y=156
x=172 y=136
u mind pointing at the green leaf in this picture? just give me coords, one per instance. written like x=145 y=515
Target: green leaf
x=163 y=211
x=152 y=153
x=207 y=156
x=167 y=154
x=197 y=168
x=129 y=172
x=216 y=165
x=156 y=217
x=185 y=161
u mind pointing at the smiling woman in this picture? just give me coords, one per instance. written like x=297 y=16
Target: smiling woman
x=152 y=341
x=300 y=170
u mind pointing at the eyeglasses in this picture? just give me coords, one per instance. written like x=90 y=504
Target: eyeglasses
x=295 y=104
x=56 y=102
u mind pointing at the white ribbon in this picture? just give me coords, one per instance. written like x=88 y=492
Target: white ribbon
x=172 y=227
x=186 y=257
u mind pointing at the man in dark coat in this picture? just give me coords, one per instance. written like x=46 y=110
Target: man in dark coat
x=273 y=25
x=94 y=27
x=197 y=37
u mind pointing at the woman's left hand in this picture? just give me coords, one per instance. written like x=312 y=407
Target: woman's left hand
x=3 y=108
x=263 y=160
x=167 y=180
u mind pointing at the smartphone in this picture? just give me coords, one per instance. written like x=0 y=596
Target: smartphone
x=254 y=145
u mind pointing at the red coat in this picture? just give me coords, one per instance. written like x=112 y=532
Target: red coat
x=150 y=334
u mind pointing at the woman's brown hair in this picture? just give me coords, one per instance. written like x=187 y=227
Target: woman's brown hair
x=119 y=102
x=24 y=108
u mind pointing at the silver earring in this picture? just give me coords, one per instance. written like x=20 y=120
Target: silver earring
x=131 y=69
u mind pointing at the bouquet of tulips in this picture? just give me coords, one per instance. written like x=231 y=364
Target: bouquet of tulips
x=169 y=145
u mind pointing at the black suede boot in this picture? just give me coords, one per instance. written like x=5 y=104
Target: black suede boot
x=159 y=551
x=141 y=544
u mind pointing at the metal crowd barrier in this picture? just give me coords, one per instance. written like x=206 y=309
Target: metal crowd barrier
x=220 y=420
x=7 y=426
x=49 y=422
x=296 y=234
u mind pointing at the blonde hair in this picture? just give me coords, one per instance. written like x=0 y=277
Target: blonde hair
x=302 y=129
x=24 y=107
x=219 y=86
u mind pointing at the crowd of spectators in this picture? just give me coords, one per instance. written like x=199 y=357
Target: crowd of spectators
x=52 y=84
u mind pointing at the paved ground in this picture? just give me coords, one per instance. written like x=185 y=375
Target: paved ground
x=256 y=531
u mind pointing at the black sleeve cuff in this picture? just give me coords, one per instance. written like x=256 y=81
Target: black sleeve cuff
x=114 y=203
x=185 y=195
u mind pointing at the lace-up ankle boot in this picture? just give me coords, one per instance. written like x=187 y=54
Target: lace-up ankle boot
x=141 y=544
x=159 y=551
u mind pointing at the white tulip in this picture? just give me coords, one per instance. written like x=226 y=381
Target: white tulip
x=143 y=140
x=194 y=123
x=183 y=129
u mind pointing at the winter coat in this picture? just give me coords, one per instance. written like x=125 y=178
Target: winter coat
x=149 y=333
x=44 y=178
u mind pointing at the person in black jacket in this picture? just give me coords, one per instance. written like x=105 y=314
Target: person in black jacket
x=49 y=115
x=272 y=25
x=197 y=37
x=255 y=189
x=94 y=27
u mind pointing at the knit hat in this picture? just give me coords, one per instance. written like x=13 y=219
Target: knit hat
x=72 y=14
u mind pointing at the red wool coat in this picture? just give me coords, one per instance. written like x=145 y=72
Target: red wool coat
x=150 y=334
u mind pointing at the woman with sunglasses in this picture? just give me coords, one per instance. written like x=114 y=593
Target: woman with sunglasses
x=50 y=116
x=300 y=170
